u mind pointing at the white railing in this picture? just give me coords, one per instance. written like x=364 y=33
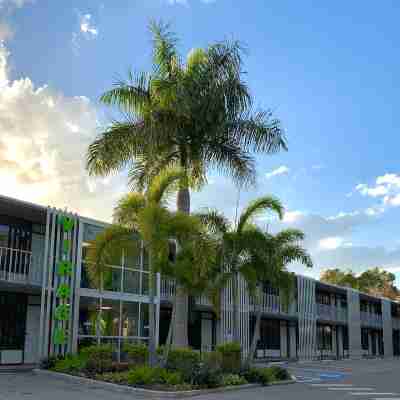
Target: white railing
x=371 y=319
x=19 y=266
x=272 y=304
x=168 y=292
x=331 y=313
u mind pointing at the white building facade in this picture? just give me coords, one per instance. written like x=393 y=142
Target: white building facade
x=323 y=321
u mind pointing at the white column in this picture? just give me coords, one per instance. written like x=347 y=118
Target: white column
x=339 y=336
x=292 y=342
x=284 y=339
x=354 y=323
x=387 y=328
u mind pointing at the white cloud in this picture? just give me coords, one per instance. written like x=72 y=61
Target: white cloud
x=282 y=170
x=44 y=137
x=13 y=3
x=292 y=216
x=87 y=30
x=330 y=243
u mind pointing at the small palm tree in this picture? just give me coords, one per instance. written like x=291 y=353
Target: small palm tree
x=237 y=244
x=196 y=115
x=267 y=263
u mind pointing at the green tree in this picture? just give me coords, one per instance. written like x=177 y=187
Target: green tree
x=238 y=244
x=268 y=263
x=197 y=115
x=341 y=278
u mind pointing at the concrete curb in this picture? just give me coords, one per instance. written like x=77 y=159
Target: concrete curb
x=131 y=389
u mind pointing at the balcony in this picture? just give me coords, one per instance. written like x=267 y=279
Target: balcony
x=331 y=313
x=370 y=319
x=20 y=266
x=168 y=292
x=272 y=304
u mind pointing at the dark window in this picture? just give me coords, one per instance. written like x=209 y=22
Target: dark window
x=323 y=298
x=324 y=337
x=269 y=289
x=364 y=338
x=363 y=306
x=270 y=334
x=345 y=338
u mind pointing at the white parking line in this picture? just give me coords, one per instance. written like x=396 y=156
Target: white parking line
x=355 y=389
x=372 y=394
x=344 y=385
x=386 y=398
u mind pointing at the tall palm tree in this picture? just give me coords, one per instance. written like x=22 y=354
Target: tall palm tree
x=197 y=115
x=238 y=243
x=268 y=263
x=144 y=213
x=147 y=215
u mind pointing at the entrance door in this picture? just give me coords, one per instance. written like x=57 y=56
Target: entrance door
x=32 y=337
x=12 y=327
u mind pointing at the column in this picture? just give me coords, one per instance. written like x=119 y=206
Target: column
x=387 y=328
x=339 y=337
x=284 y=339
x=354 y=323
x=292 y=341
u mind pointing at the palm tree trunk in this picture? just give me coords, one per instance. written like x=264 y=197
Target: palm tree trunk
x=170 y=334
x=235 y=308
x=180 y=328
x=256 y=334
x=152 y=319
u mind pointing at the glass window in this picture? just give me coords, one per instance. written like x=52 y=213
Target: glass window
x=324 y=337
x=88 y=281
x=112 y=279
x=4 y=230
x=88 y=316
x=130 y=319
x=132 y=255
x=132 y=281
x=109 y=317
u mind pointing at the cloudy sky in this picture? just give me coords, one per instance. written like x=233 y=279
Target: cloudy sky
x=328 y=70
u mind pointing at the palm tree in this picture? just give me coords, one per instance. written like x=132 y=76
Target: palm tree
x=196 y=115
x=238 y=243
x=268 y=263
x=147 y=215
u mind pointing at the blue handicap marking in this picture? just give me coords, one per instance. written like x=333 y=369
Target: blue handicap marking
x=332 y=376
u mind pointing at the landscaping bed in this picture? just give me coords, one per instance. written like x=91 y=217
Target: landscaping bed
x=184 y=370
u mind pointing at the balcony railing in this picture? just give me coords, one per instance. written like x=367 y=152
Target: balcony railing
x=370 y=319
x=272 y=304
x=331 y=313
x=19 y=266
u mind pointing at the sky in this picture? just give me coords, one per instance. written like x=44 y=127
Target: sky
x=327 y=70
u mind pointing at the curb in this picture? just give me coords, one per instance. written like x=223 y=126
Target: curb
x=131 y=389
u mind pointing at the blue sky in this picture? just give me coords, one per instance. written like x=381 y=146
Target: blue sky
x=328 y=70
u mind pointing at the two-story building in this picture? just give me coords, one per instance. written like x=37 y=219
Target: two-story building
x=323 y=321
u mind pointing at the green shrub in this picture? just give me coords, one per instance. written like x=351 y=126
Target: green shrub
x=185 y=361
x=144 y=375
x=231 y=357
x=252 y=374
x=99 y=358
x=280 y=374
x=71 y=364
x=266 y=376
x=233 y=380
x=49 y=362
x=138 y=354
x=171 y=378
x=114 y=377
x=212 y=359
x=207 y=377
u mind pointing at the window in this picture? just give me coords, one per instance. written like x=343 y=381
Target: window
x=363 y=306
x=270 y=334
x=364 y=338
x=270 y=290
x=323 y=298
x=324 y=337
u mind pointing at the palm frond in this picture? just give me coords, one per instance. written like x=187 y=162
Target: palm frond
x=295 y=253
x=127 y=209
x=257 y=207
x=164 y=184
x=215 y=221
x=165 y=55
x=289 y=236
x=132 y=95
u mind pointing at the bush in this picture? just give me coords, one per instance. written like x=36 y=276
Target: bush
x=170 y=378
x=144 y=375
x=212 y=359
x=207 y=377
x=138 y=354
x=114 y=377
x=184 y=361
x=49 y=362
x=71 y=364
x=99 y=358
x=252 y=374
x=280 y=374
x=267 y=376
x=233 y=380
x=231 y=357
